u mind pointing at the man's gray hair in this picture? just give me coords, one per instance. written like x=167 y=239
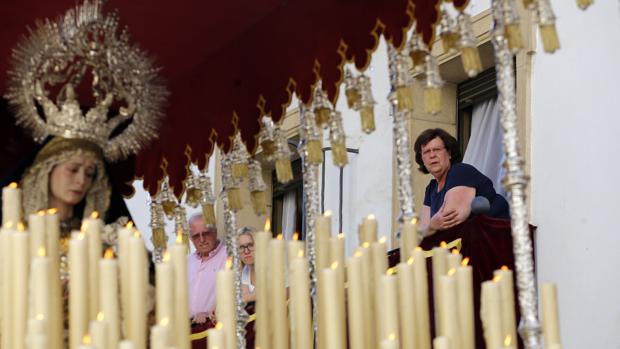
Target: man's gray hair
x=196 y=216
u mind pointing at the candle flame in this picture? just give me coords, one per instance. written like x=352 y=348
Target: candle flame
x=497 y=278
x=179 y=236
x=166 y=257
x=334 y=265
x=219 y=325
x=40 y=317
x=358 y=253
x=41 y=252
x=100 y=316
x=371 y=217
x=418 y=248
x=21 y=227
x=94 y=215
x=507 y=341
x=229 y=263
x=340 y=236
x=451 y=272
x=109 y=253
x=86 y=339
x=366 y=244
x=41 y=213
x=414 y=220
x=84 y=226
x=267 y=225
x=300 y=253
x=164 y=321
x=465 y=261
x=392 y=336
x=443 y=244
x=13 y=185
x=296 y=236
x=390 y=271
x=52 y=211
x=410 y=260
x=137 y=234
x=81 y=235
x=8 y=224
x=504 y=267
x=382 y=240
x=129 y=225
x=455 y=251
x=279 y=237
x=327 y=214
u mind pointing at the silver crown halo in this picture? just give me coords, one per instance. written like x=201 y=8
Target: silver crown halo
x=58 y=55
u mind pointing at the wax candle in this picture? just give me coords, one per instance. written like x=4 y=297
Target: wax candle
x=277 y=303
x=368 y=229
x=225 y=308
x=334 y=334
x=369 y=294
x=21 y=271
x=92 y=227
x=439 y=269
x=442 y=342
x=390 y=343
x=137 y=294
x=300 y=301
x=108 y=274
x=160 y=336
x=387 y=301
x=125 y=345
x=124 y=234
x=178 y=257
x=355 y=301
x=56 y=330
x=407 y=312
x=449 y=309
x=293 y=247
x=217 y=337
x=164 y=291
x=464 y=285
x=11 y=204
x=453 y=260
x=36 y=337
x=408 y=239
x=99 y=333
x=6 y=258
x=36 y=227
x=551 y=323
x=323 y=233
x=336 y=251
x=78 y=289
x=379 y=259
x=261 y=267
x=509 y=327
x=490 y=314
x=420 y=293
x=40 y=278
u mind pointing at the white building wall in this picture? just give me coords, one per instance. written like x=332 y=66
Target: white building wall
x=575 y=172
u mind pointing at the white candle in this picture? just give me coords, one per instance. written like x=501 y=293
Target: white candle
x=99 y=333
x=387 y=301
x=334 y=334
x=20 y=264
x=124 y=234
x=420 y=293
x=300 y=301
x=449 y=309
x=137 y=293
x=551 y=323
x=261 y=266
x=217 y=337
x=78 y=289
x=439 y=268
x=408 y=239
x=323 y=233
x=40 y=278
x=225 y=309
x=92 y=227
x=36 y=227
x=355 y=301
x=509 y=327
x=108 y=274
x=11 y=204
x=6 y=258
x=368 y=230
x=277 y=303
x=336 y=251
x=160 y=336
x=464 y=284
x=369 y=294
x=407 y=308
x=442 y=343
x=52 y=230
x=390 y=343
x=125 y=345
x=293 y=247
x=453 y=260
x=490 y=314
x=178 y=256
x=164 y=292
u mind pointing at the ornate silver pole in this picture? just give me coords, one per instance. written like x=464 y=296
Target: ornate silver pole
x=232 y=248
x=312 y=201
x=515 y=183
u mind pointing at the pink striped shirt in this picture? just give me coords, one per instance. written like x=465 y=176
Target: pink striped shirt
x=202 y=276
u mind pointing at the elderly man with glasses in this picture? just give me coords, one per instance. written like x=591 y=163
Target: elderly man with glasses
x=202 y=267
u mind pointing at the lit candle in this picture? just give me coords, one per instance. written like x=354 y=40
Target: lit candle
x=78 y=289
x=387 y=301
x=355 y=301
x=409 y=240
x=108 y=274
x=449 y=308
x=439 y=268
x=336 y=251
x=137 y=293
x=86 y=342
x=124 y=234
x=323 y=233
x=160 y=335
x=407 y=312
x=164 y=291
x=56 y=330
x=6 y=260
x=100 y=333
x=490 y=314
x=225 y=308
x=92 y=228
x=11 y=204
x=178 y=257
x=368 y=229
x=261 y=267
x=300 y=301
x=278 y=294
x=36 y=227
x=442 y=342
x=293 y=247
x=453 y=260
x=36 y=337
x=551 y=323
x=125 y=345
x=334 y=333
x=509 y=327
x=217 y=337
x=390 y=343
x=21 y=272
x=368 y=280
x=379 y=260
x=420 y=294
x=40 y=278
x=464 y=284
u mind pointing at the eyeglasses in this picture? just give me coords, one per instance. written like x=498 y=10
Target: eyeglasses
x=430 y=151
x=201 y=236
x=247 y=248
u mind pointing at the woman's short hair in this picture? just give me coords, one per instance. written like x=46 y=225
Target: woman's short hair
x=452 y=146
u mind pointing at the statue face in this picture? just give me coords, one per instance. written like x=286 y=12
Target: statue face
x=71 y=180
